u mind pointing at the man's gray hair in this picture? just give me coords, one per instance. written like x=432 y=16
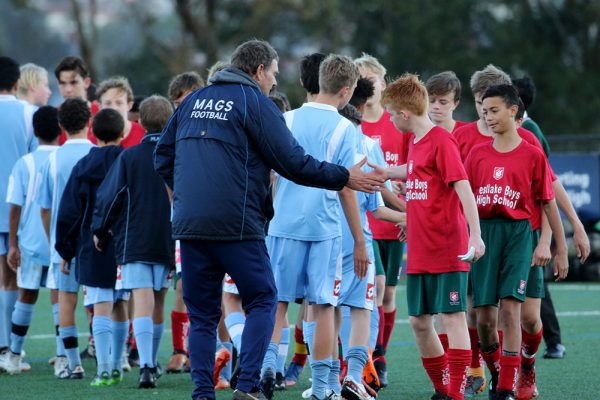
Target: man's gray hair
x=251 y=54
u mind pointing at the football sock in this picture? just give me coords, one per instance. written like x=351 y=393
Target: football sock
x=21 y=319
x=102 y=327
x=491 y=356
x=60 y=347
x=226 y=371
x=178 y=320
x=357 y=358
x=157 y=334
x=68 y=334
x=270 y=360
x=345 y=331
x=8 y=305
x=300 y=349
x=284 y=345
x=529 y=346
x=309 y=332
x=509 y=369
x=374 y=328
x=144 y=332
x=119 y=336
x=334 y=377
x=444 y=340
x=388 y=328
x=320 y=376
x=474 y=338
x=235 y=327
x=437 y=368
x=458 y=366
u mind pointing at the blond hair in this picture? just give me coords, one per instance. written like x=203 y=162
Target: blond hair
x=487 y=77
x=336 y=72
x=406 y=93
x=31 y=76
x=116 y=82
x=370 y=63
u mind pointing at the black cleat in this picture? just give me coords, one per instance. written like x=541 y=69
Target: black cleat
x=557 y=351
x=381 y=369
x=267 y=383
x=505 y=395
x=492 y=395
x=147 y=377
x=279 y=381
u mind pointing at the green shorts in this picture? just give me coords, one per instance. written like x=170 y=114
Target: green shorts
x=503 y=270
x=428 y=294
x=388 y=257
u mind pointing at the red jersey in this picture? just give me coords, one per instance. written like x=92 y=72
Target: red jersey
x=509 y=185
x=436 y=228
x=136 y=134
x=394 y=145
x=459 y=124
x=94 y=108
x=469 y=136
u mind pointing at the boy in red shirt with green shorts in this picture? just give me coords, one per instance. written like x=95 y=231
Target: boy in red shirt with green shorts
x=437 y=233
x=508 y=176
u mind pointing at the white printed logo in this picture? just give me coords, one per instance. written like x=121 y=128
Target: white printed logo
x=498 y=173
x=410 y=167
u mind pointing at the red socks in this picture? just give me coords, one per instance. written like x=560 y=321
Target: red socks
x=437 y=369
x=529 y=346
x=509 y=371
x=458 y=366
x=474 y=337
x=178 y=320
x=300 y=350
x=390 y=321
x=444 y=339
x=492 y=359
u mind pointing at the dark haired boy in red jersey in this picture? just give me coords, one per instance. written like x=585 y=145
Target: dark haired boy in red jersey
x=508 y=176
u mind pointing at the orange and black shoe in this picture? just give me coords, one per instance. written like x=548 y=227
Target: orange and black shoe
x=222 y=357
x=476 y=382
x=370 y=375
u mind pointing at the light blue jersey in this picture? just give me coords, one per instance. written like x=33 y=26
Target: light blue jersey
x=366 y=202
x=21 y=190
x=53 y=179
x=16 y=140
x=305 y=213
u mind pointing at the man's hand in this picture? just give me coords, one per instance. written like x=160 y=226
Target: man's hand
x=561 y=266
x=368 y=182
x=361 y=260
x=582 y=243
x=476 y=242
x=14 y=258
x=65 y=267
x=541 y=255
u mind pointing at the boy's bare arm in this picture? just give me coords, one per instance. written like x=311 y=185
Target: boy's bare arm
x=350 y=207
x=14 y=254
x=463 y=190
x=580 y=238
x=392 y=201
x=561 y=262
x=389 y=215
x=542 y=254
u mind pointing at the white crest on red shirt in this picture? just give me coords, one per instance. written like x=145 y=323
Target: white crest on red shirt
x=498 y=173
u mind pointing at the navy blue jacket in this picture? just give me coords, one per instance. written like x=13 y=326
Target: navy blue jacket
x=73 y=233
x=133 y=204
x=216 y=154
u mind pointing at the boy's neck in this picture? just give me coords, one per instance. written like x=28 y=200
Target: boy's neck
x=43 y=142
x=82 y=134
x=448 y=124
x=311 y=97
x=102 y=143
x=507 y=141
x=420 y=126
x=127 y=129
x=483 y=128
x=8 y=92
x=329 y=99
x=372 y=112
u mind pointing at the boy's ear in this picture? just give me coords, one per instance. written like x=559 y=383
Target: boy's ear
x=87 y=82
x=129 y=105
x=514 y=109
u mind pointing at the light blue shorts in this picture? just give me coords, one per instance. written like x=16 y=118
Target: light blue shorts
x=95 y=295
x=31 y=275
x=145 y=275
x=355 y=292
x=3 y=243
x=306 y=270
x=65 y=283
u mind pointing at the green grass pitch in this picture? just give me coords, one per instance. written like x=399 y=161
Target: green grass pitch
x=574 y=377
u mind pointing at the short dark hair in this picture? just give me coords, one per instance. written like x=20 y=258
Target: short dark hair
x=9 y=73
x=183 y=82
x=72 y=63
x=45 y=123
x=508 y=93
x=444 y=83
x=74 y=115
x=251 y=54
x=309 y=72
x=526 y=89
x=108 y=125
x=155 y=112
x=280 y=100
x=364 y=90
x=137 y=100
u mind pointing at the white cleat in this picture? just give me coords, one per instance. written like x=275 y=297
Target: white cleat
x=10 y=362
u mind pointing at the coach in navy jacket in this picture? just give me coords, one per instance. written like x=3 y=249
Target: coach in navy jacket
x=216 y=154
x=132 y=204
x=73 y=234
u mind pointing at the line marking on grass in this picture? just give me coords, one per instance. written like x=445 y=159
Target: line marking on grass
x=569 y=287
x=590 y=313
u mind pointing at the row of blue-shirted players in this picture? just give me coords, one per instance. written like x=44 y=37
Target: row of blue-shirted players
x=66 y=185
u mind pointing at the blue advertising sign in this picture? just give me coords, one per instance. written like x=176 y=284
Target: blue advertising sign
x=580 y=175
